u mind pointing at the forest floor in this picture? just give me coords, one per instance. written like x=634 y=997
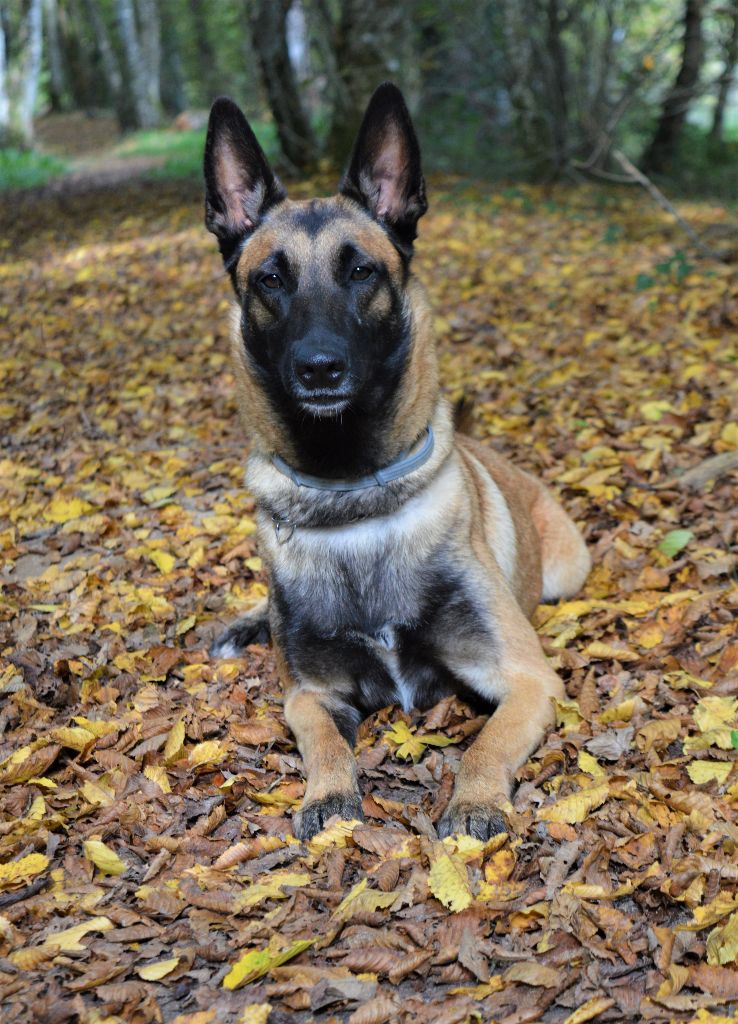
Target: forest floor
x=147 y=866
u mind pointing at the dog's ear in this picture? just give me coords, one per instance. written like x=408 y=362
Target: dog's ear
x=240 y=186
x=384 y=172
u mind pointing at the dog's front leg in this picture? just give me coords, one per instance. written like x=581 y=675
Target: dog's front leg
x=523 y=684
x=329 y=763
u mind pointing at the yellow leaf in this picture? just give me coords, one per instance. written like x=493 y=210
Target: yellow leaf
x=37 y=810
x=43 y=782
x=622 y=712
x=681 y=680
x=97 y=793
x=163 y=560
x=722 y=942
x=705 y=1017
x=408 y=745
x=271 y=887
x=157 y=774
x=495 y=984
x=103 y=857
x=653 y=411
x=716 y=713
x=74 y=737
x=589 y=764
x=600 y=650
x=157 y=971
x=209 y=752
x=258 y=962
x=68 y=941
x=721 y=738
x=97 y=727
x=175 y=742
x=568 y=716
x=530 y=972
x=709 y=771
x=23 y=869
x=576 y=807
x=336 y=836
x=256 y=1013
x=448 y=879
x=185 y=625
x=711 y=913
x=729 y=434
x=661 y=731
x=158 y=493
x=589 y=1010
x=362 y=900
x=61 y=510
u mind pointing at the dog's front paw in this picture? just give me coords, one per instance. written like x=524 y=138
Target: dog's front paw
x=234 y=640
x=314 y=816
x=481 y=822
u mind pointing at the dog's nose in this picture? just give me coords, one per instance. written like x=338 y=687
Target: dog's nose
x=320 y=370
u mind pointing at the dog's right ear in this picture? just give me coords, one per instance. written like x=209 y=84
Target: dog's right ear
x=240 y=186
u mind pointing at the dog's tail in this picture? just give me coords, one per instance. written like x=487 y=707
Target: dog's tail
x=464 y=415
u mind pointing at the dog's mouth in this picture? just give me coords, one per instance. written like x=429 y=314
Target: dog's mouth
x=326 y=404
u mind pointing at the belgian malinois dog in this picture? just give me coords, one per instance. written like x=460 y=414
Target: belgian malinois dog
x=404 y=559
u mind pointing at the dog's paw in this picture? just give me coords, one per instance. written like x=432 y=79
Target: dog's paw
x=314 y=816
x=234 y=640
x=475 y=820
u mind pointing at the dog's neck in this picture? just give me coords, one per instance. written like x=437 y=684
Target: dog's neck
x=284 y=498
x=407 y=462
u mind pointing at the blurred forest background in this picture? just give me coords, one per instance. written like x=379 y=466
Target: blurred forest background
x=501 y=89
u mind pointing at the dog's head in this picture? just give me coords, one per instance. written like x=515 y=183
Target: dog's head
x=326 y=324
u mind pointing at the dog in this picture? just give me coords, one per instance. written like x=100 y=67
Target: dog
x=404 y=559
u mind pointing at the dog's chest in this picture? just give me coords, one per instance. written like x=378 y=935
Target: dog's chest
x=369 y=576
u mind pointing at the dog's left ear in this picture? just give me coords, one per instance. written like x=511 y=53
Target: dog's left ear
x=240 y=186
x=384 y=172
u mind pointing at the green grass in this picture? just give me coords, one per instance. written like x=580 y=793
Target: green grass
x=20 y=168
x=182 y=151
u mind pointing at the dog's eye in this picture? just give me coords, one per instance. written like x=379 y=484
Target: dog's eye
x=361 y=273
x=272 y=281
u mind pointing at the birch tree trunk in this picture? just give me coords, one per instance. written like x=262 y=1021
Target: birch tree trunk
x=30 y=71
x=144 y=112
x=151 y=51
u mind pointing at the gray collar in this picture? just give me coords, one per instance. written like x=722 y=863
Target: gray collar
x=404 y=463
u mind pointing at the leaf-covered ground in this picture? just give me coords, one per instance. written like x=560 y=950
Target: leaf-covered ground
x=147 y=866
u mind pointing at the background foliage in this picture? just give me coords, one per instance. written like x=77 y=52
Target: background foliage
x=515 y=88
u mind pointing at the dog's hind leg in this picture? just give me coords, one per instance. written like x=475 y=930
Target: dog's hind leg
x=565 y=560
x=519 y=679
x=329 y=764
x=251 y=628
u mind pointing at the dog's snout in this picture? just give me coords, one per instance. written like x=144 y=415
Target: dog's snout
x=320 y=370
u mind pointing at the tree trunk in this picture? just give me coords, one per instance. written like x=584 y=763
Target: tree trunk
x=207 y=58
x=144 y=111
x=726 y=80
x=662 y=149
x=4 y=97
x=57 y=80
x=23 y=84
x=110 y=65
x=366 y=40
x=172 y=88
x=151 y=51
x=558 y=85
x=269 y=39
